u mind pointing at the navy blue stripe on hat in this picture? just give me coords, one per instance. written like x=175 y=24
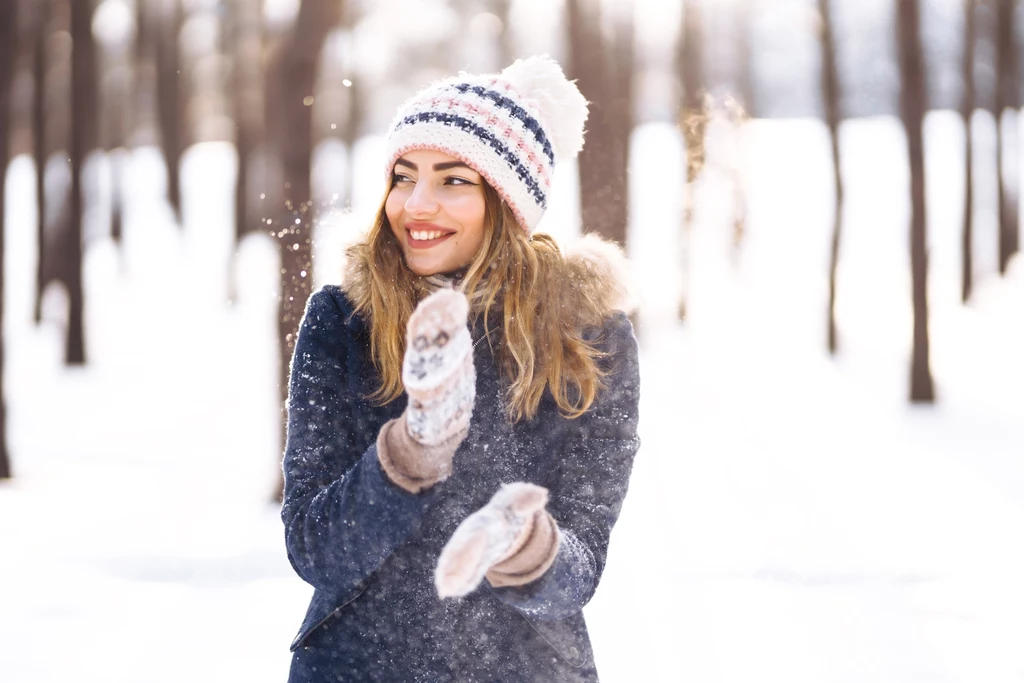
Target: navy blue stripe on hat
x=511 y=106
x=479 y=131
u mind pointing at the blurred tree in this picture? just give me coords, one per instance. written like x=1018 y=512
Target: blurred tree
x=57 y=261
x=39 y=65
x=355 y=104
x=967 y=104
x=1008 y=100
x=247 y=50
x=83 y=139
x=8 y=55
x=913 y=105
x=737 y=117
x=623 y=71
x=693 y=120
x=167 y=29
x=506 y=50
x=116 y=77
x=603 y=69
x=832 y=98
x=747 y=97
x=205 y=85
x=145 y=119
x=290 y=75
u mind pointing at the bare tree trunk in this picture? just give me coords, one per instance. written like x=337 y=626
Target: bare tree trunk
x=355 y=104
x=146 y=99
x=624 y=66
x=741 y=109
x=117 y=196
x=291 y=77
x=246 y=49
x=913 y=104
x=350 y=133
x=169 y=109
x=1007 y=104
x=602 y=163
x=83 y=126
x=690 y=68
x=506 y=50
x=967 y=112
x=116 y=112
x=830 y=90
x=8 y=54
x=693 y=122
x=39 y=147
x=244 y=146
x=746 y=59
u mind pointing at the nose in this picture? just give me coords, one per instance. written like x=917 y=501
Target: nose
x=422 y=201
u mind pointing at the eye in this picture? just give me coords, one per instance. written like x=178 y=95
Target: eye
x=456 y=180
x=400 y=178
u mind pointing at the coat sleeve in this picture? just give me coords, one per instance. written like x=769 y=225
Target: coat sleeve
x=590 y=482
x=342 y=515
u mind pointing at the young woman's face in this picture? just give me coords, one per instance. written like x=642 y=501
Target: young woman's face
x=436 y=210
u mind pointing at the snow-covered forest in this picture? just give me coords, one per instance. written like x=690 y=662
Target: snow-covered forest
x=830 y=486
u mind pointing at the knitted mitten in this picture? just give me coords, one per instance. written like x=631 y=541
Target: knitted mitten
x=512 y=540
x=438 y=368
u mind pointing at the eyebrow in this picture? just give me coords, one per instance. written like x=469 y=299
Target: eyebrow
x=443 y=166
x=450 y=164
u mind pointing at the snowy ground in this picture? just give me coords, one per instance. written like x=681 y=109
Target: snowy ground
x=790 y=517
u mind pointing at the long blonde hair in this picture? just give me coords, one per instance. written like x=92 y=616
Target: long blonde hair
x=545 y=302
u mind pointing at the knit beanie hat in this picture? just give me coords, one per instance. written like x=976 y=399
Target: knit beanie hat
x=511 y=128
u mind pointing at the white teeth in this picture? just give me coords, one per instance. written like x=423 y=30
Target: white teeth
x=420 y=235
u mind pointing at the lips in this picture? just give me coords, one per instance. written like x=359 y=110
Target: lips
x=424 y=236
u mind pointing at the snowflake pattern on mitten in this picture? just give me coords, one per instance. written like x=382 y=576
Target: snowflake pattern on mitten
x=438 y=370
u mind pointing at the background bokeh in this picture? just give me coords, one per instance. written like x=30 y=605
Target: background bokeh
x=820 y=202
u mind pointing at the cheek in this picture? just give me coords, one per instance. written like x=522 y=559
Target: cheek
x=471 y=212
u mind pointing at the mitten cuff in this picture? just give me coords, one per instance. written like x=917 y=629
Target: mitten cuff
x=408 y=463
x=531 y=557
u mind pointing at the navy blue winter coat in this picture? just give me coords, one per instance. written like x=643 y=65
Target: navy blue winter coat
x=369 y=548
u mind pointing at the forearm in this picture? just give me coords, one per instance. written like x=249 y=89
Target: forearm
x=339 y=534
x=563 y=589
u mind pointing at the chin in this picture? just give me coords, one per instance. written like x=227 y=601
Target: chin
x=423 y=270
x=432 y=266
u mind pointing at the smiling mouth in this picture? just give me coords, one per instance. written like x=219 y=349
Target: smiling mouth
x=423 y=239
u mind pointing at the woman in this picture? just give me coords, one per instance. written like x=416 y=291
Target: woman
x=462 y=411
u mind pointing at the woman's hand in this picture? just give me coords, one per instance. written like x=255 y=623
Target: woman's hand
x=438 y=370
x=512 y=540
x=417 y=448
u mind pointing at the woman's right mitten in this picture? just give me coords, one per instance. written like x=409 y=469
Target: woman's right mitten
x=438 y=371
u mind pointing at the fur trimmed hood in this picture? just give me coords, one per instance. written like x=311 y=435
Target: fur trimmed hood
x=599 y=269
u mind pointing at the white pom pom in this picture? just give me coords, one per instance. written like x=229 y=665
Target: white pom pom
x=561 y=107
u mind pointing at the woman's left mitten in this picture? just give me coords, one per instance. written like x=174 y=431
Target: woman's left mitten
x=508 y=526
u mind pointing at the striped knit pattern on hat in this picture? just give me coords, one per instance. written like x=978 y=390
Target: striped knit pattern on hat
x=510 y=127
